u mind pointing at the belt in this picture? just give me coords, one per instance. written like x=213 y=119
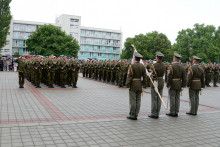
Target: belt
x=196 y=80
x=136 y=79
x=176 y=79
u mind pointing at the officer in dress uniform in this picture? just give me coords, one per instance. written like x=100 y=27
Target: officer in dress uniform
x=176 y=80
x=195 y=82
x=158 y=71
x=136 y=79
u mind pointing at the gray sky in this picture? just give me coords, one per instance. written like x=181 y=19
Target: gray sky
x=132 y=16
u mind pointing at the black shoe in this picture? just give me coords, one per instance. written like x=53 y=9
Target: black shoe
x=132 y=118
x=38 y=87
x=21 y=86
x=216 y=86
x=63 y=87
x=172 y=115
x=75 y=86
x=190 y=113
x=208 y=86
x=155 y=117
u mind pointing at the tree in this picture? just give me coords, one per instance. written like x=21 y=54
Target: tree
x=147 y=45
x=49 y=39
x=16 y=54
x=202 y=41
x=5 y=20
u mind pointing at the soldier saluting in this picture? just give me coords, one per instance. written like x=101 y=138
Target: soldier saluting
x=136 y=73
x=195 y=82
x=176 y=80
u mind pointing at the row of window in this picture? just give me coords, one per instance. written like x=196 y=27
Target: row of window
x=99 y=41
x=92 y=55
x=28 y=28
x=100 y=34
x=107 y=48
x=21 y=35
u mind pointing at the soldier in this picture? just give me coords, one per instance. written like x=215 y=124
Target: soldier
x=136 y=73
x=51 y=68
x=21 y=71
x=158 y=71
x=195 y=82
x=216 y=75
x=75 y=73
x=100 y=68
x=208 y=74
x=176 y=80
x=63 y=71
x=38 y=71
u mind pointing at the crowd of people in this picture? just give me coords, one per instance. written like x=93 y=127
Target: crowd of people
x=8 y=64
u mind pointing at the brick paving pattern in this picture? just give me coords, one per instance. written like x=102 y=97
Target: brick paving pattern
x=94 y=115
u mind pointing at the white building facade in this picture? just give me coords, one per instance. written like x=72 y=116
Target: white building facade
x=94 y=43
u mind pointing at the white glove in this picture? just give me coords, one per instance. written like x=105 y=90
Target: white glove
x=149 y=74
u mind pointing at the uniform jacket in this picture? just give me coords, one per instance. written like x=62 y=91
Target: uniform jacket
x=195 y=79
x=136 y=77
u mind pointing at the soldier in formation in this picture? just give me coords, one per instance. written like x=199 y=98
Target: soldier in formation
x=108 y=71
x=49 y=71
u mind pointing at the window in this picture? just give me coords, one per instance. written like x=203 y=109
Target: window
x=74 y=20
x=108 y=35
x=74 y=26
x=83 y=40
x=27 y=28
x=82 y=47
x=108 y=42
x=91 y=47
x=99 y=54
x=99 y=48
x=115 y=36
x=26 y=35
x=90 y=54
x=16 y=34
x=6 y=50
x=82 y=53
x=83 y=32
x=115 y=42
x=17 y=27
x=107 y=49
x=7 y=42
x=92 y=33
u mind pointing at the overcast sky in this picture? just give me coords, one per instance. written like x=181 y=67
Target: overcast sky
x=131 y=16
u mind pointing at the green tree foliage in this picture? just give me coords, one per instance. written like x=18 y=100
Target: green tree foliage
x=202 y=41
x=16 y=54
x=5 y=20
x=49 y=39
x=147 y=45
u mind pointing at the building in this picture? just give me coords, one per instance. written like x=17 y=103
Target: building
x=94 y=43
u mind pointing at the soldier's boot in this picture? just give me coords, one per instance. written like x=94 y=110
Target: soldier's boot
x=216 y=85
x=21 y=86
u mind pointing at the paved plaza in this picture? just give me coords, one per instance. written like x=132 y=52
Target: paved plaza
x=95 y=113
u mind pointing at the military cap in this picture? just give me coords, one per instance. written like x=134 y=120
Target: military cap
x=159 y=54
x=177 y=55
x=138 y=55
x=196 y=58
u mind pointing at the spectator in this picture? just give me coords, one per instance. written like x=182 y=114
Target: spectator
x=4 y=65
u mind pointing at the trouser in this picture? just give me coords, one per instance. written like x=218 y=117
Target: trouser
x=100 y=74
x=104 y=75
x=38 y=78
x=155 y=102
x=208 y=78
x=74 y=78
x=84 y=72
x=134 y=103
x=21 y=78
x=96 y=74
x=51 y=76
x=120 y=79
x=215 y=80
x=69 y=77
x=194 y=100
x=108 y=76
x=174 y=96
x=87 y=72
x=113 y=76
x=62 y=78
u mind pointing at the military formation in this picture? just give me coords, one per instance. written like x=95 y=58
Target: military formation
x=134 y=74
x=113 y=72
x=50 y=71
